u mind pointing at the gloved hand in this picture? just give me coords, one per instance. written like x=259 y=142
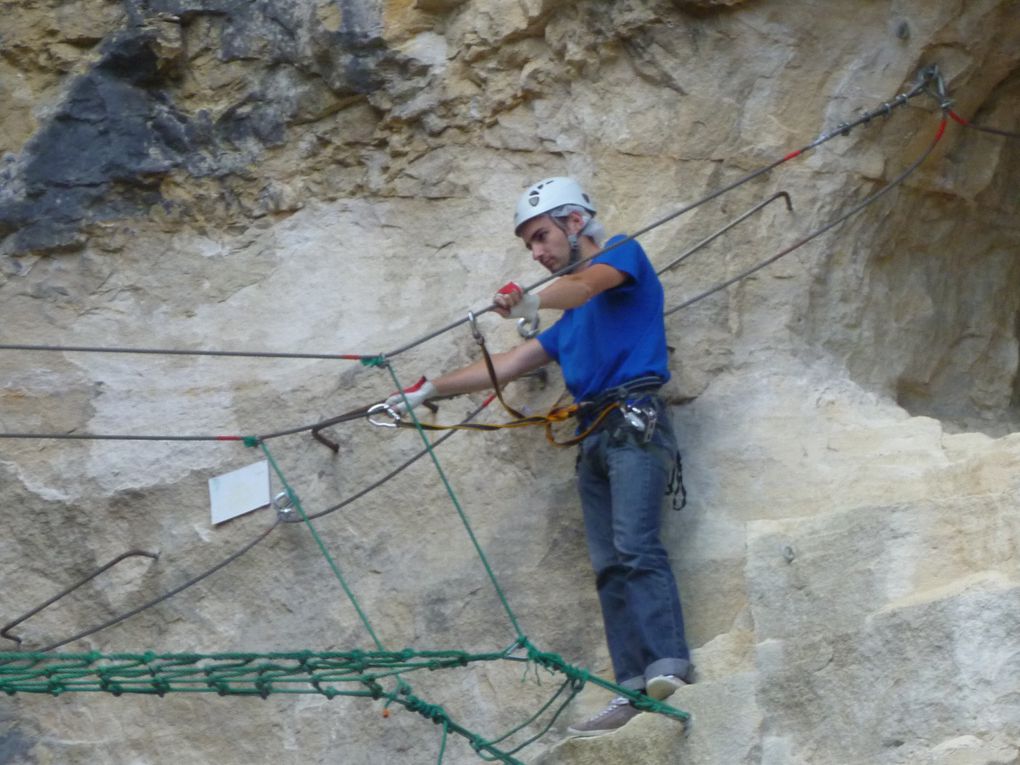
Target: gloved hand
x=416 y=394
x=514 y=303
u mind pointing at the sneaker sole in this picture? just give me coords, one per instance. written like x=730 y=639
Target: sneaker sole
x=592 y=733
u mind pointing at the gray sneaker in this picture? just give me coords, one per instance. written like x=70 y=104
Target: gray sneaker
x=662 y=686
x=615 y=716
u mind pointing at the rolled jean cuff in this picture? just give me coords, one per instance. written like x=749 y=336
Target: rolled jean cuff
x=677 y=667
x=633 y=683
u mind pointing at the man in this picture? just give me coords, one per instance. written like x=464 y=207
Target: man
x=611 y=345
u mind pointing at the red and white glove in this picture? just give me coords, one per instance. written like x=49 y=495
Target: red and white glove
x=416 y=395
x=524 y=306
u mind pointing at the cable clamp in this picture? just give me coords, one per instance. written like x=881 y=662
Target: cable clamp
x=388 y=410
x=924 y=78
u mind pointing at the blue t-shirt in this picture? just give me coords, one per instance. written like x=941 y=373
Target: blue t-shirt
x=616 y=336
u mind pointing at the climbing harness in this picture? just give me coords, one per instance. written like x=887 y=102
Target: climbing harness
x=620 y=395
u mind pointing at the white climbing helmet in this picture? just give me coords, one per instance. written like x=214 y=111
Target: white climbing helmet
x=547 y=195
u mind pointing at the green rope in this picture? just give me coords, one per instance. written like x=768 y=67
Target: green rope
x=252 y=674
x=226 y=673
x=322 y=547
x=442 y=744
x=263 y=686
x=568 y=683
x=297 y=672
x=457 y=505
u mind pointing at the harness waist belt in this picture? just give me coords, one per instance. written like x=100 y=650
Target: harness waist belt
x=646 y=384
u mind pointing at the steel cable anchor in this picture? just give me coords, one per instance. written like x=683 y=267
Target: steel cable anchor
x=283 y=503
x=934 y=84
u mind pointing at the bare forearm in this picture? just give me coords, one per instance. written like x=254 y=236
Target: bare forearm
x=509 y=365
x=574 y=290
x=465 y=380
x=565 y=293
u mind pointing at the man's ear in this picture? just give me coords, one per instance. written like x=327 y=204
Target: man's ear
x=575 y=222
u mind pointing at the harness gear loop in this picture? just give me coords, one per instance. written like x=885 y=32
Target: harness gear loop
x=676 y=483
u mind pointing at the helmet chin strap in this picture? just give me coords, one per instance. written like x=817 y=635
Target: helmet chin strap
x=572 y=239
x=575 y=249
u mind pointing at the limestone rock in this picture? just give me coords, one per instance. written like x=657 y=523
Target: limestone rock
x=338 y=177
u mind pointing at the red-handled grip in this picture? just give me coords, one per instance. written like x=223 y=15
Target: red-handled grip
x=509 y=288
x=417 y=386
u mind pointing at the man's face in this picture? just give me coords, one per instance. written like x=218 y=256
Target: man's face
x=547 y=242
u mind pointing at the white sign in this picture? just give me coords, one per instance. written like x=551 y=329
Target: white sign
x=239 y=492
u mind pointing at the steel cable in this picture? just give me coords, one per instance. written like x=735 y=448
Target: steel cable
x=230 y=558
x=927 y=76
x=166 y=596
x=993 y=131
x=818 y=232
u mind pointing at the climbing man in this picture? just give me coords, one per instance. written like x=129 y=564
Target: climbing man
x=611 y=345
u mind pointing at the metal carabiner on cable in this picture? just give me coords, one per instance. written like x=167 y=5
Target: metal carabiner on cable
x=383 y=407
x=934 y=84
x=527 y=329
x=941 y=93
x=475 y=332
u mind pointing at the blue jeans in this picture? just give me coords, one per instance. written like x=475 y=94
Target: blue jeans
x=622 y=483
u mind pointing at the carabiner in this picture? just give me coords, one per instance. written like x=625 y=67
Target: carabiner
x=528 y=330
x=935 y=86
x=383 y=407
x=475 y=332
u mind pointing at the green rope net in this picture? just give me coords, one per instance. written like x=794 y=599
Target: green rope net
x=377 y=674
x=363 y=674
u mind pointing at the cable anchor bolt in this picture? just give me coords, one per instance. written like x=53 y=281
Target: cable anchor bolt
x=383 y=408
x=283 y=503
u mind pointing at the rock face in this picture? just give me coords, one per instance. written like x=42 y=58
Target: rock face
x=338 y=177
